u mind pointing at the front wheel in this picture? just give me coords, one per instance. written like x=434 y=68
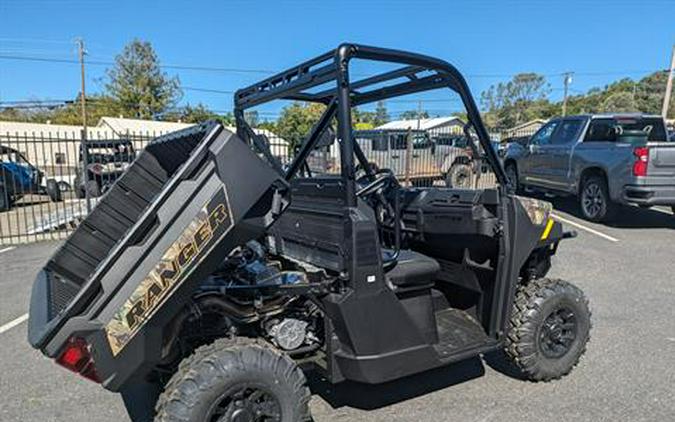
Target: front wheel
x=512 y=177
x=5 y=200
x=549 y=329
x=235 y=380
x=594 y=199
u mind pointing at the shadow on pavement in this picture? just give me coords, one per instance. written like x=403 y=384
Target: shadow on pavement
x=369 y=397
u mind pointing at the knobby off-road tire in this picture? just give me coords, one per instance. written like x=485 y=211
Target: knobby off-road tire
x=512 y=175
x=594 y=200
x=235 y=379
x=92 y=188
x=549 y=329
x=54 y=191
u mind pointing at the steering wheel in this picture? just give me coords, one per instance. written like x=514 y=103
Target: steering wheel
x=382 y=178
x=374 y=194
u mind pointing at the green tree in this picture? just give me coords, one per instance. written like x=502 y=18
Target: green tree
x=619 y=102
x=139 y=85
x=511 y=103
x=296 y=121
x=414 y=115
x=381 y=114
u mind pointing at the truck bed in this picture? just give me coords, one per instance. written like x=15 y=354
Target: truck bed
x=187 y=200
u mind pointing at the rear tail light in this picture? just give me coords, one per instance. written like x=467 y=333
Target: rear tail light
x=641 y=161
x=96 y=168
x=77 y=358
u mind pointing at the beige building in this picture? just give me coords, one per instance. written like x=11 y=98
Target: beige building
x=55 y=148
x=524 y=129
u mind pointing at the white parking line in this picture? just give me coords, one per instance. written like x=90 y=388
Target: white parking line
x=6 y=249
x=13 y=323
x=582 y=227
x=663 y=210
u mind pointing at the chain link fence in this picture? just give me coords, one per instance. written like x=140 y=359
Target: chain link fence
x=49 y=181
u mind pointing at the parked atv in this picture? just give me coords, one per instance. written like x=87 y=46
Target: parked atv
x=211 y=274
x=101 y=163
x=18 y=178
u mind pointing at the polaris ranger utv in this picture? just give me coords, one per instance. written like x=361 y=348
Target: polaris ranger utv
x=208 y=275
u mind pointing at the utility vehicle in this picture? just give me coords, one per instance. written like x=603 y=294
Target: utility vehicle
x=207 y=276
x=101 y=163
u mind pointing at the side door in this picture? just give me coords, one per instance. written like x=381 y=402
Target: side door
x=556 y=155
x=398 y=146
x=531 y=165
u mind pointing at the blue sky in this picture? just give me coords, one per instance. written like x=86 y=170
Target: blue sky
x=487 y=40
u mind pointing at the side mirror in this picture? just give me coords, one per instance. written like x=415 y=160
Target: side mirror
x=530 y=148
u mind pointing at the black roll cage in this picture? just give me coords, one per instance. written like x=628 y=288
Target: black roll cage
x=421 y=73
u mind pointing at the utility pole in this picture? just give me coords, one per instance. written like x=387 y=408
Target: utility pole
x=567 y=80
x=80 y=53
x=669 y=85
x=85 y=156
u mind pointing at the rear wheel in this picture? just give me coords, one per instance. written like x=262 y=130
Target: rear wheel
x=549 y=329
x=235 y=380
x=54 y=191
x=459 y=176
x=594 y=199
x=92 y=189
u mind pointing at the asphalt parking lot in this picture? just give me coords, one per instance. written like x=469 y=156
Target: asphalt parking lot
x=628 y=373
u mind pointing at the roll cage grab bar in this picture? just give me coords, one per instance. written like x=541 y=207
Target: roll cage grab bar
x=420 y=73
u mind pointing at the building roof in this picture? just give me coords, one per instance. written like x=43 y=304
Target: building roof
x=123 y=126
x=74 y=131
x=528 y=124
x=422 y=124
x=113 y=127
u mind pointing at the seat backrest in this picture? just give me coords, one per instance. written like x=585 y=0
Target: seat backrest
x=312 y=229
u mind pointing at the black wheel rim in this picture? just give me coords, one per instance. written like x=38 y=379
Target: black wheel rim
x=246 y=403
x=558 y=333
x=593 y=200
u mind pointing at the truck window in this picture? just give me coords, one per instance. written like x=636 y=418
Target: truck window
x=601 y=130
x=653 y=125
x=567 y=132
x=399 y=141
x=543 y=137
x=379 y=143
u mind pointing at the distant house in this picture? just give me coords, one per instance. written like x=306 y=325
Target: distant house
x=445 y=125
x=524 y=129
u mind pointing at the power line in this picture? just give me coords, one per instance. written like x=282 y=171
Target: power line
x=268 y=71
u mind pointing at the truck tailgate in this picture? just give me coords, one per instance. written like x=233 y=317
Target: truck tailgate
x=662 y=162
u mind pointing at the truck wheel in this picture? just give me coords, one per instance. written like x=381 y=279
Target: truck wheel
x=512 y=177
x=54 y=191
x=549 y=329
x=459 y=176
x=92 y=189
x=235 y=379
x=594 y=199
